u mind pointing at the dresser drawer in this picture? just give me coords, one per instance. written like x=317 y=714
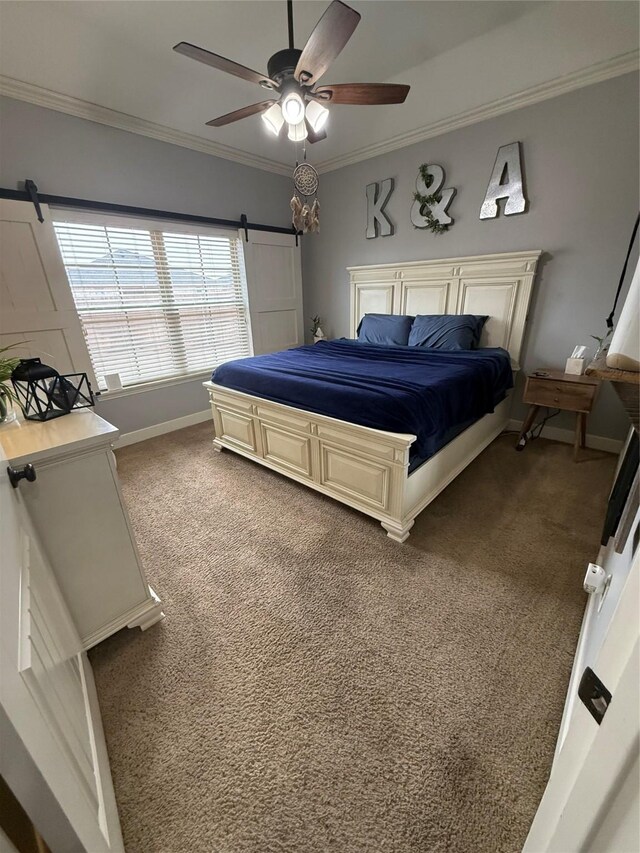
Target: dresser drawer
x=571 y=396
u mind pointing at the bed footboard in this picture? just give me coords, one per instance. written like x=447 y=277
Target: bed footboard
x=364 y=468
x=367 y=469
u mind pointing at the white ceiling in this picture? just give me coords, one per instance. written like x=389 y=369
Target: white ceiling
x=460 y=57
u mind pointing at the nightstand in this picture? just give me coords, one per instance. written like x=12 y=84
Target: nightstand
x=558 y=390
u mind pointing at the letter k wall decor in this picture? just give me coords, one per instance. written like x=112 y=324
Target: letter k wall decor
x=378 y=223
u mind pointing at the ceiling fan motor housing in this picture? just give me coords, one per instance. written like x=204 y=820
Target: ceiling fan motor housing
x=283 y=63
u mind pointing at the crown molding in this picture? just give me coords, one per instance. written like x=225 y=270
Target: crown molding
x=29 y=92
x=21 y=91
x=614 y=67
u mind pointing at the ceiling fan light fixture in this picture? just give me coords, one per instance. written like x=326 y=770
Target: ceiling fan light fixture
x=273 y=119
x=293 y=108
x=317 y=115
x=297 y=132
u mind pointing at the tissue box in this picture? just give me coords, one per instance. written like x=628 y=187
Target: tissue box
x=575 y=366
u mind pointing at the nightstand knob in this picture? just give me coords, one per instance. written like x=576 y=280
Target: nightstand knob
x=556 y=399
x=27 y=473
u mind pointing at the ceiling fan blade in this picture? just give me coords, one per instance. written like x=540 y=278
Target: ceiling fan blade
x=314 y=135
x=331 y=33
x=223 y=64
x=362 y=93
x=244 y=112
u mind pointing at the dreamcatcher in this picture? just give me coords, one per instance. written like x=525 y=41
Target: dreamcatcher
x=306 y=214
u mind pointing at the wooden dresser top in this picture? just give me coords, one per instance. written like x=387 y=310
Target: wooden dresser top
x=36 y=441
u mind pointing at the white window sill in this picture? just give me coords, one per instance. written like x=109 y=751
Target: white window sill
x=154 y=386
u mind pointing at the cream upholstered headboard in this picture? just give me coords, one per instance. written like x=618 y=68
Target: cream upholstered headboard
x=496 y=285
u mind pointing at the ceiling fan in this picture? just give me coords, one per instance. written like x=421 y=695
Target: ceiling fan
x=293 y=76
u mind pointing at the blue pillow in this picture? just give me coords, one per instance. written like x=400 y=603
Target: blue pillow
x=447 y=331
x=388 y=329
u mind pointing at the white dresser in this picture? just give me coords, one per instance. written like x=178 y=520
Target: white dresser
x=76 y=507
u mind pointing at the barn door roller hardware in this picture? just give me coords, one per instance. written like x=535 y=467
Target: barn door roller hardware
x=32 y=191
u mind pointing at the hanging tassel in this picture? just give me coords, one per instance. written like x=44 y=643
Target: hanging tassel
x=305 y=214
x=315 y=216
x=296 y=208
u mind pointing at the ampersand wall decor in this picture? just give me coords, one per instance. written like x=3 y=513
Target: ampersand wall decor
x=430 y=201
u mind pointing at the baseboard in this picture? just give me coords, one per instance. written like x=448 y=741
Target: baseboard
x=596 y=442
x=567 y=436
x=162 y=428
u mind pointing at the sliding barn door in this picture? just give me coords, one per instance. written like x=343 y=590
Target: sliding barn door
x=36 y=305
x=274 y=289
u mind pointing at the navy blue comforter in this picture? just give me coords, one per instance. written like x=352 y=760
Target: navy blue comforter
x=433 y=394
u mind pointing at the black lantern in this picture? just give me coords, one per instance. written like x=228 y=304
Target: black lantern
x=44 y=394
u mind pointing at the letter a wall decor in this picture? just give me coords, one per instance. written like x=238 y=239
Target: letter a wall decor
x=505 y=182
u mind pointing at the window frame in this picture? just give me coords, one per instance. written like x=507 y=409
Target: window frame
x=173 y=226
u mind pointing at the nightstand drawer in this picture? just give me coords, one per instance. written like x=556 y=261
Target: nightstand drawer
x=571 y=396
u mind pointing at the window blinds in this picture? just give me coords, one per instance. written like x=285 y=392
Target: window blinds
x=156 y=303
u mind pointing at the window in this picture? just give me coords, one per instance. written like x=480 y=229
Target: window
x=155 y=301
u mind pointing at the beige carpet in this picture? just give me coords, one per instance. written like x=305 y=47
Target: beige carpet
x=316 y=687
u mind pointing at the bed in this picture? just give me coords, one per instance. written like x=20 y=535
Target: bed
x=385 y=447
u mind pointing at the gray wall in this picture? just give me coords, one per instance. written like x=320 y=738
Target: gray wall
x=581 y=165
x=70 y=156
